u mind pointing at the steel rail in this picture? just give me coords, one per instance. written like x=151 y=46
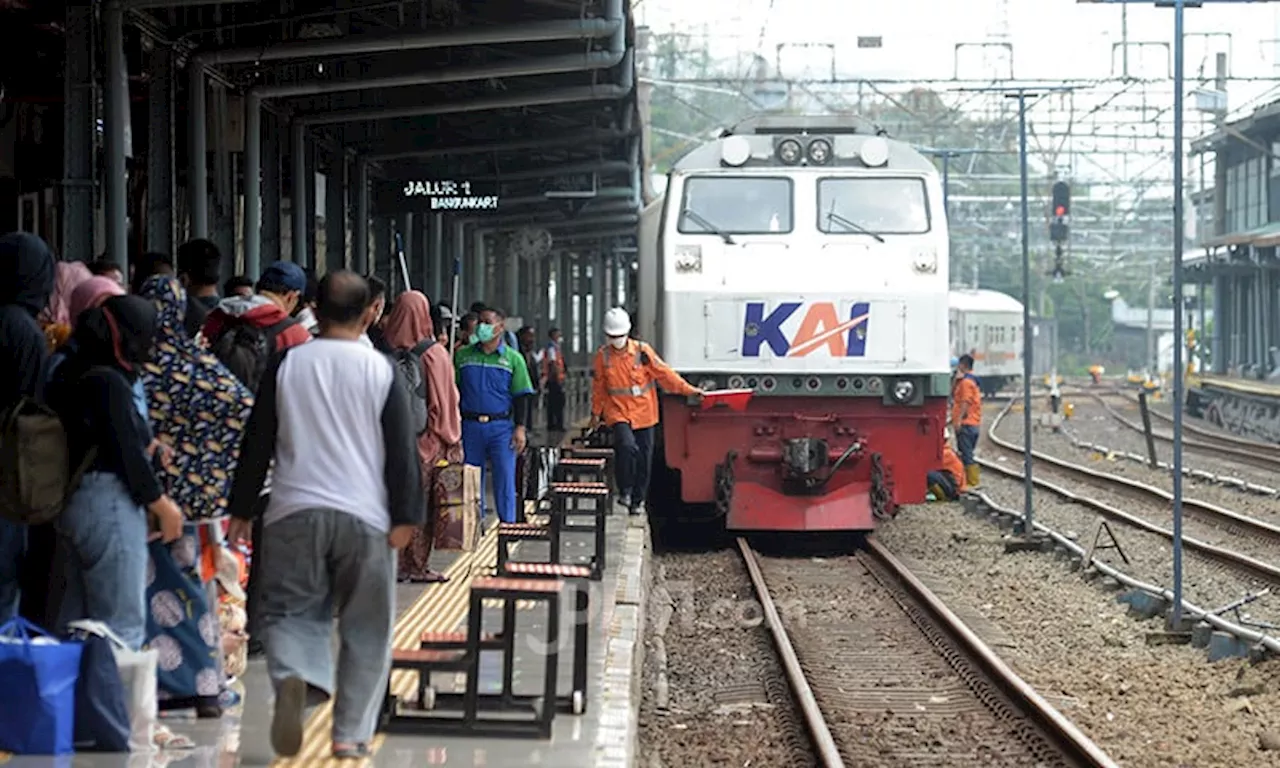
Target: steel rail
x=1069 y=738
x=1190 y=610
x=823 y=743
x=1264 y=571
x=1195 y=505
x=1205 y=432
x=1256 y=454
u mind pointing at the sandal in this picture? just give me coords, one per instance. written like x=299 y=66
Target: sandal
x=352 y=751
x=164 y=738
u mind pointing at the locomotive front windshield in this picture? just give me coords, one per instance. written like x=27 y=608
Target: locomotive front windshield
x=867 y=205
x=736 y=205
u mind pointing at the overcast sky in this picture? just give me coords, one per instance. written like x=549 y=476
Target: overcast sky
x=1052 y=38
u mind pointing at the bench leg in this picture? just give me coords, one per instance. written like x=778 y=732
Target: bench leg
x=471 y=698
x=601 y=546
x=580 y=629
x=548 y=712
x=508 y=649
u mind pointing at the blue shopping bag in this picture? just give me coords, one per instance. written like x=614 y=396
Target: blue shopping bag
x=38 y=675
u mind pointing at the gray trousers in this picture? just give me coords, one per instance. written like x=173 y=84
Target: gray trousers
x=323 y=560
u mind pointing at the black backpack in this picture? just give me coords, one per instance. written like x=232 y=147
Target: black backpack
x=246 y=349
x=413 y=377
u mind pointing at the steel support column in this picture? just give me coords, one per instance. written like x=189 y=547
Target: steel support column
x=407 y=242
x=79 y=112
x=335 y=214
x=160 y=183
x=252 y=185
x=271 y=190
x=310 y=153
x=479 y=261
x=440 y=265
x=115 y=126
x=511 y=272
x=197 y=151
x=564 y=299
x=360 y=243
x=598 y=298
x=298 y=200
x=380 y=259
x=223 y=227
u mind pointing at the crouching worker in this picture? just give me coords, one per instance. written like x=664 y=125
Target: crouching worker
x=624 y=398
x=947 y=483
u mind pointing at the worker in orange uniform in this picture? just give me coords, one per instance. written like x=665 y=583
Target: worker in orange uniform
x=627 y=373
x=966 y=416
x=947 y=483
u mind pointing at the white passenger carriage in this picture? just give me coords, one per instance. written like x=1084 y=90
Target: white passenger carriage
x=988 y=325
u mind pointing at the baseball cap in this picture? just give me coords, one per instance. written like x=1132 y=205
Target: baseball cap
x=285 y=274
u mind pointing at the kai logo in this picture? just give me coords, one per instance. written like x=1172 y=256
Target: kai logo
x=820 y=327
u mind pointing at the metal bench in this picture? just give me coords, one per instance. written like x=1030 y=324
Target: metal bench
x=399 y=718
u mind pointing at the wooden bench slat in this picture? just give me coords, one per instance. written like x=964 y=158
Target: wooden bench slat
x=430 y=637
x=424 y=656
x=502 y=584
x=560 y=570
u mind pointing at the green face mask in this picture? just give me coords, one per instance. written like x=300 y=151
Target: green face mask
x=485 y=333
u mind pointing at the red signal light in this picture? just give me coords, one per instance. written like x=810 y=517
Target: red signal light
x=1060 y=210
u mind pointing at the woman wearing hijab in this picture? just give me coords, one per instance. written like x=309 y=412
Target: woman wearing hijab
x=56 y=319
x=200 y=413
x=104 y=528
x=409 y=324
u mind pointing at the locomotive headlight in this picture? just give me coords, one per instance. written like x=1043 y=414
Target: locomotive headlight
x=874 y=152
x=790 y=151
x=903 y=391
x=688 y=259
x=819 y=151
x=735 y=150
x=926 y=261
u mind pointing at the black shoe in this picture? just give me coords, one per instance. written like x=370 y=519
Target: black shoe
x=255 y=649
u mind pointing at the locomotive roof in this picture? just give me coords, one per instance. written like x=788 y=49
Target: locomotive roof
x=983 y=300
x=902 y=156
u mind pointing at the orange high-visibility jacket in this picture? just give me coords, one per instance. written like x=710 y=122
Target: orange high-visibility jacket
x=625 y=382
x=966 y=401
x=553 y=364
x=952 y=466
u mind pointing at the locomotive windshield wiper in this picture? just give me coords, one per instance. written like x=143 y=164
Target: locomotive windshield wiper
x=853 y=225
x=701 y=221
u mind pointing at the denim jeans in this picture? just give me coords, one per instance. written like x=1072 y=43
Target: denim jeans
x=966 y=443
x=13 y=545
x=103 y=535
x=633 y=455
x=324 y=559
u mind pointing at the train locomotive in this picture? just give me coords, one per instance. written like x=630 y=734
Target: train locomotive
x=804 y=259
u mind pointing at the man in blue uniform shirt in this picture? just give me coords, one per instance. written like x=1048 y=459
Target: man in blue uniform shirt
x=497 y=405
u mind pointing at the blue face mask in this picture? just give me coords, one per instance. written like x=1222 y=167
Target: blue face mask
x=485 y=332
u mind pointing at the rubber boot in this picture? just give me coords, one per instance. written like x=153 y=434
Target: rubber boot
x=973 y=475
x=936 y=491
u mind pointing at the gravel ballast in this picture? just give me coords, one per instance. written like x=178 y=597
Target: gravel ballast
x=713 y=689
x=1145 y=705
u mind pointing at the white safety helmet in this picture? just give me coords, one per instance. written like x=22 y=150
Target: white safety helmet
x=617 y=322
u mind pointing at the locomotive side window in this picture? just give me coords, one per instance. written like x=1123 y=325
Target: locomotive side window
x=873 y=205
x=736 y=205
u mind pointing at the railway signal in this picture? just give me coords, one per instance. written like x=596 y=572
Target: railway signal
x=1061 y=203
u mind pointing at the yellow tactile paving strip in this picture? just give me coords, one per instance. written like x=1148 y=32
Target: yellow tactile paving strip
x=441 y=607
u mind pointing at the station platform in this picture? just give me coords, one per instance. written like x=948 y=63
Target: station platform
x=604 y=735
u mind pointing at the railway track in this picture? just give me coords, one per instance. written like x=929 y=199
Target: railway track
x=1197 y=438
x=1151 y=510
x=886 y=675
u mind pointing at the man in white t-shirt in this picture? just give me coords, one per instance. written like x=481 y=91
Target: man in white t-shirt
x=346 y=494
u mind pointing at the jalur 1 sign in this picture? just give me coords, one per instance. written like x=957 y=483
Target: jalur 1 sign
x=435 y=196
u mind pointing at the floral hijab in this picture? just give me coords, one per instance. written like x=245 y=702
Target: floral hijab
x=198 y=407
